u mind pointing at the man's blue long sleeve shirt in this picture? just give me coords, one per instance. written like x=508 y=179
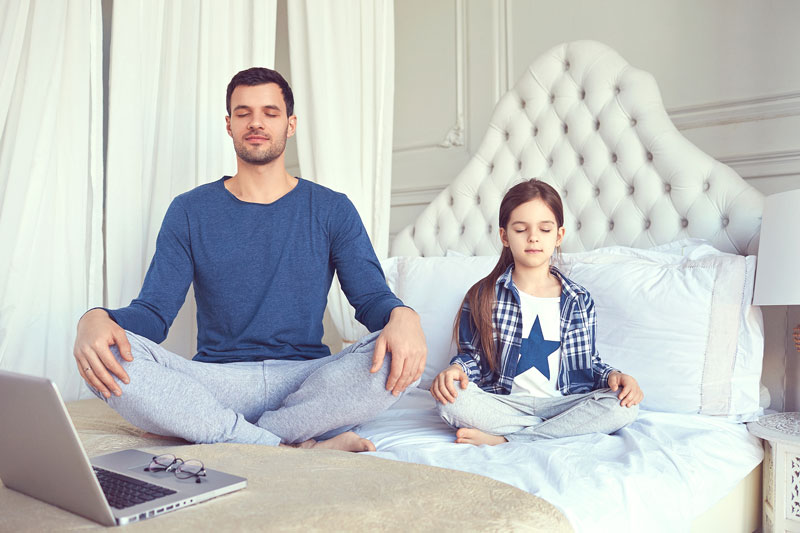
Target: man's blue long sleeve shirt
x=261 y=273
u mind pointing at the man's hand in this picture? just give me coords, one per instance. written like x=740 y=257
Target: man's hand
x=630 y=394
x=443 y=388
x=96 y=332
x=403 y=337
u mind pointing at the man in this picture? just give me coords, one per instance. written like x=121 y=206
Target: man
x=261 y=248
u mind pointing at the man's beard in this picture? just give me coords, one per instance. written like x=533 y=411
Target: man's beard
x=260 y=155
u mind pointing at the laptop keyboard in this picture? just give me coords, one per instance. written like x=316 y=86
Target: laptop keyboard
x=123 y=491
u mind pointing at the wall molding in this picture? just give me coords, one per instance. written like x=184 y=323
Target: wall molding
x=502 y=49
x=765 y=164
x=735 y=111
x=455 y=135
x=411 y=196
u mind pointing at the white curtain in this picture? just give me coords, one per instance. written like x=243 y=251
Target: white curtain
x=170 y=66
x=51 y=182
x=342 y=58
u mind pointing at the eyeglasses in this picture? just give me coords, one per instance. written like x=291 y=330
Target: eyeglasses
x=191 y=468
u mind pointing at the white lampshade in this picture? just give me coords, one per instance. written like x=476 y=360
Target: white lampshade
x=778 y=267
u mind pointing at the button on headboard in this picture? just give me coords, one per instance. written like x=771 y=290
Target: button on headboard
x=594 y=127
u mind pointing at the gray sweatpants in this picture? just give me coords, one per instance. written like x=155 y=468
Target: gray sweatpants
x=520 y=417
x=265 y=402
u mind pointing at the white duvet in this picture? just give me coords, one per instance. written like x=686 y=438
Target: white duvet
x=658 y=474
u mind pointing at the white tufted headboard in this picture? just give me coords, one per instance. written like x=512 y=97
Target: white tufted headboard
x=584 y=120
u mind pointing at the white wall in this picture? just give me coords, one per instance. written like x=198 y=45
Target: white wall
x=728 y=70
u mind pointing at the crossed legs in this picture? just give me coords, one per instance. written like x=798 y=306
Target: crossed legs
x=485 y=418
x=270 y=402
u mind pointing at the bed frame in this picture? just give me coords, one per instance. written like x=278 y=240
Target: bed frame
x=595 y=128
x=584 y=120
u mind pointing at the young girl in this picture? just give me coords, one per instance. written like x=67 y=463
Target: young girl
x=527 y=364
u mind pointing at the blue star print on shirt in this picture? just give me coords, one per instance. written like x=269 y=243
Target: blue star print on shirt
x=534 y=351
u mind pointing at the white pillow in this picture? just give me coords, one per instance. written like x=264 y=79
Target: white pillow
x=434 y=287
x=678 y=318
x=682 y=325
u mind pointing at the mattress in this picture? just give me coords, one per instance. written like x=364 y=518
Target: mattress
x=657 y=474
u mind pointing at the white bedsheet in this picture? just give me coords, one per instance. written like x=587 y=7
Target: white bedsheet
x=658 y=474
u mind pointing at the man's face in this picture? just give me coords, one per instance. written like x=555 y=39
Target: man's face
x=258 y=123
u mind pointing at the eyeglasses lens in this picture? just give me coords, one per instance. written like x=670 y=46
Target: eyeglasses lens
x=190 y=468
x=162 y=462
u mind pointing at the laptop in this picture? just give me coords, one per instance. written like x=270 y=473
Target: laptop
x=42 y=456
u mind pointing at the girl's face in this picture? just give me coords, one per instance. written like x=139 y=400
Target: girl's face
x=532 y=234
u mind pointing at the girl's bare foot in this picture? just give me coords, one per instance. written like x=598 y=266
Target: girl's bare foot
x=478 y=437
x=346 y=442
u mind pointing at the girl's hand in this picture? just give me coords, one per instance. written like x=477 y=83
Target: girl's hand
x=630 y=394
x=443 y=388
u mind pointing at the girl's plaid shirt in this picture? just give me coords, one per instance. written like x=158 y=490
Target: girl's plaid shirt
x=581 y=369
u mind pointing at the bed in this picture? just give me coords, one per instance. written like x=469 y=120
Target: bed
x=663 y=236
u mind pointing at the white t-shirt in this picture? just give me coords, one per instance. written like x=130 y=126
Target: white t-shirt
x=540 y=353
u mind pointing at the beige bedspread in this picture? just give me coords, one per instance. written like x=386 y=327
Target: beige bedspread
x=294 y=490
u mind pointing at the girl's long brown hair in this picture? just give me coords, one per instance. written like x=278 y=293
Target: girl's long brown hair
x=481 y=296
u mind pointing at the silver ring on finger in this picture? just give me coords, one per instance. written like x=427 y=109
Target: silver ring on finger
x=87 y=369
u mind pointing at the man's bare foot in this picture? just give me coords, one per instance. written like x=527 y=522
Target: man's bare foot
x=478 y=437
x=346 y=442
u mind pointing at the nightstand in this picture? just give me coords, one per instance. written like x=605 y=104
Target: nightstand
x=781 y=493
